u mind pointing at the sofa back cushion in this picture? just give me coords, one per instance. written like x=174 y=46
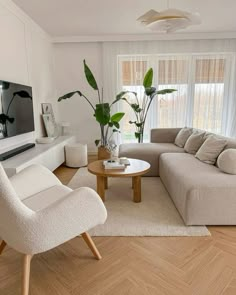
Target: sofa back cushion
x=164 y=135
x=182 y=136
x=231 y=143
x=194 y=142
x=210 y=150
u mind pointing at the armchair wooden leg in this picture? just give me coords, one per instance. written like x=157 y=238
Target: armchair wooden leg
x=2 y=246
x=26 y=274
x=88 y=240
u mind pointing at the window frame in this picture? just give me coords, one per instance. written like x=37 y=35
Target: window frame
x=152 y=61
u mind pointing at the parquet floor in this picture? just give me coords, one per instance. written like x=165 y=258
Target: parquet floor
x=130 y=266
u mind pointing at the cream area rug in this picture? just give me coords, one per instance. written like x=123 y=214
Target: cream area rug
x=156 y=215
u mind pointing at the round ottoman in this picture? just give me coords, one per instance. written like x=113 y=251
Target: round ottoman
x=76 y=155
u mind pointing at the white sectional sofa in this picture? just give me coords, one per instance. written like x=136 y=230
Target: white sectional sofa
x=162 y=141
x=202 y=193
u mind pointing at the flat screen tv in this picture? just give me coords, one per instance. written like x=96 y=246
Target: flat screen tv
x=16 y=109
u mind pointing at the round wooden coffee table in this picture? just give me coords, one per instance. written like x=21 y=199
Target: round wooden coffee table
x=136 y=169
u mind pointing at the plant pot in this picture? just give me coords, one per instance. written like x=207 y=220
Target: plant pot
x=103 y=153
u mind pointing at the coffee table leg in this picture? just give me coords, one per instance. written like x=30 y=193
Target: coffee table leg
x=136 y=181
x=106 y=182
x=101 y=187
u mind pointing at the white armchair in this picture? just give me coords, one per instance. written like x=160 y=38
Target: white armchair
x=38 y=213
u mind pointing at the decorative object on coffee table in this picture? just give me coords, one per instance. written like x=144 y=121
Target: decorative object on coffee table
x=136 y=169
x=113 y=164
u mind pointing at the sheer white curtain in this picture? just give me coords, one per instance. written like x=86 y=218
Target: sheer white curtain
x=202 y=72
x=172 y=72
x=211 y=91
x=166 y=110
x=131 y=70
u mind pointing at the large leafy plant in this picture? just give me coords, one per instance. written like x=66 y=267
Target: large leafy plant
x=109 y=123
x=142 y=105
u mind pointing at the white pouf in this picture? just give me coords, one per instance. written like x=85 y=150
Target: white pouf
x=227 y=161
x=76 y=155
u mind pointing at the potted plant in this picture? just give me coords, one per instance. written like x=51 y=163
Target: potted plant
x=141 y=106
x=108 y=122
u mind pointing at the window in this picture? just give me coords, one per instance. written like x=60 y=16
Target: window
x=209 y=94
x=172 y=73
x=201 y=82
x=132 y=73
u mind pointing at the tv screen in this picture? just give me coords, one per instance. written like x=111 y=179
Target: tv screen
x=16 y=109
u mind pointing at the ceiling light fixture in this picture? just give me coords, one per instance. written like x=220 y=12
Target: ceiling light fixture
x=169 y=20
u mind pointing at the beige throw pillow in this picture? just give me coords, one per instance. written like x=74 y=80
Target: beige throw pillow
x=211 y=149
x=227 y=161
x=182 y=136
x=194 y=142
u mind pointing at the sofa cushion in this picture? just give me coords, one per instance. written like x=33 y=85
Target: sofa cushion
x=194 y=142
x=202 y=193
x=182 y=136
x=227 y=161
x=210 y=150
x=148 y=152
x=231 y=142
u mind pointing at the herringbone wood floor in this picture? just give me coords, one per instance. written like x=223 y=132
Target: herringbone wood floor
x=130 y=266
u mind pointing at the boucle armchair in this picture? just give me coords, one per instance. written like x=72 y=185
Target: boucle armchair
x=38 y=213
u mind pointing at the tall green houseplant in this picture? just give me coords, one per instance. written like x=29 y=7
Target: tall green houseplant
x=142 y=106
x=108 y=122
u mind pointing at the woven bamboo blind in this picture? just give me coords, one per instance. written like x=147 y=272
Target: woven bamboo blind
x=175 y=71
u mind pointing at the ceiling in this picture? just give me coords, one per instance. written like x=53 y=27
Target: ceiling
x=84 y=18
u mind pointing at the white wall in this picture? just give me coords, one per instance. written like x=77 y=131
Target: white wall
x=26 y=57
x=69 y=75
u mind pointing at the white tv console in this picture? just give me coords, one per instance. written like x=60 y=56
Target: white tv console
x=51 y=155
